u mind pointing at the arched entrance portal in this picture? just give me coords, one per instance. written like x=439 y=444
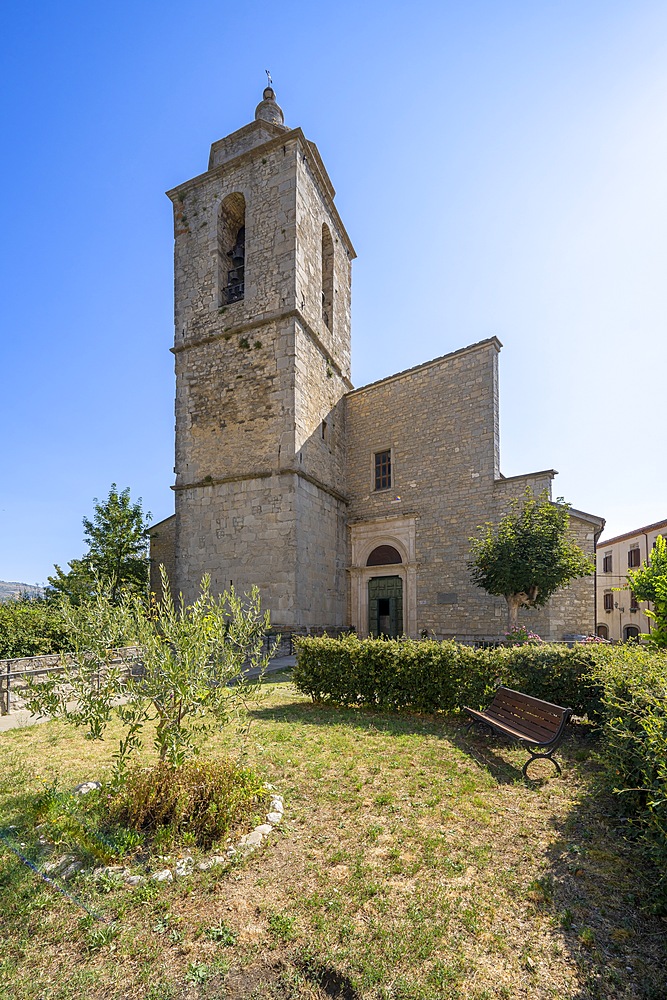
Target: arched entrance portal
x=385 y=606
x=383 y=576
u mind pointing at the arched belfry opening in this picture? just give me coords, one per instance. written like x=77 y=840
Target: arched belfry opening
x=327 y=277
x=231 y=249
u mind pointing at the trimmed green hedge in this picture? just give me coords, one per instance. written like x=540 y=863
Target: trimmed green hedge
x=635 y=704
x=428 y=676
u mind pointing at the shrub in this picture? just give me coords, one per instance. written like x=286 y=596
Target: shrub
x=553 y=672
x=202 y=798
x=422 y=675
x=434 y=676
x=520 y=635
x=32 y=626
x=635 y=704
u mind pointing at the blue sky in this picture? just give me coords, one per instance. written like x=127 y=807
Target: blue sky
x=501 y=170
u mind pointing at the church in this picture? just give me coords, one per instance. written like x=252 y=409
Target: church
x=348 y=508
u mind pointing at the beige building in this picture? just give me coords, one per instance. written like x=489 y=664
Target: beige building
x=347 y=507
x=619 y=614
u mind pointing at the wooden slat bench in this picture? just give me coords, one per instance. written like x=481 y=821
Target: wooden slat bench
x=534 y=723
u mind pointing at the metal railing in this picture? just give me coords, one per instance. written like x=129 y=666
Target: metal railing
x=9 y=674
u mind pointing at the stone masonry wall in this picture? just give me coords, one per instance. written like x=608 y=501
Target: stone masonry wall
x=322 y=558
x=234 y=405
x=312 y=210
x=163 y=551
x=240 y=532
x=440 y=421
x=571 y=611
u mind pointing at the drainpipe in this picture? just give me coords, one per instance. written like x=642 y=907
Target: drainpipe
x=596 y=536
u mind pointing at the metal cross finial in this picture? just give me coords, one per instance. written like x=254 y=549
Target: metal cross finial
x=268 y=77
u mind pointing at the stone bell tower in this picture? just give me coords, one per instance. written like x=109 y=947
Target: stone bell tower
x=262 y=347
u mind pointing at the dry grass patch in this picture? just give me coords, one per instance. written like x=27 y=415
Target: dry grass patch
x=412 y=864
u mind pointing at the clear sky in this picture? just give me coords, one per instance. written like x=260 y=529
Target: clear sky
x=501 y=168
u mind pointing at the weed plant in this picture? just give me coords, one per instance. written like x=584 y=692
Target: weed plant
x=200 y=801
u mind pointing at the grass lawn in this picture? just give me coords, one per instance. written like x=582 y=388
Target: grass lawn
x=413 y=862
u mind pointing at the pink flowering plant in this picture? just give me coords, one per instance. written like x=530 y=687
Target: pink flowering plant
x=521 y=636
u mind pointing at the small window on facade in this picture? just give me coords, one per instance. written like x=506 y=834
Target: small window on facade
x=634 y=603
x=630 y=632
x=324 y=430
x=633 y=557
x=607 y=563
x=383 y=470
x=602 y=631
x=609 y=602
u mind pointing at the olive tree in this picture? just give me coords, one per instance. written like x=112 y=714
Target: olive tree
x=187 y=674
x=528 y=555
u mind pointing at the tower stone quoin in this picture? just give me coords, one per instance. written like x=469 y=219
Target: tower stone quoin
x=346 y=507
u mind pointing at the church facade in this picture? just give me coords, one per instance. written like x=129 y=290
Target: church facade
x=346 y=507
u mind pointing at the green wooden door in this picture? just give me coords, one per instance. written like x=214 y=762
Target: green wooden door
x=385 y=606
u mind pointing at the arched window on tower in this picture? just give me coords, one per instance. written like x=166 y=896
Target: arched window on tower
x=327 y=277
x=231 y=249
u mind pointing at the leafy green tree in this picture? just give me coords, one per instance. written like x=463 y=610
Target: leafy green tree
x=529 y=555
x=186 y=677
x=649 y=583
x=117 y=557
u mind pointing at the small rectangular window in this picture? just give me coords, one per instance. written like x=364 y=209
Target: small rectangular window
x=634 y=603
x=609 y=602
x=606 y=564
x=633 y=557
x=382 y=470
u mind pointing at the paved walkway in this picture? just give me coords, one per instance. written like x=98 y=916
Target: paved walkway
x=23 y=718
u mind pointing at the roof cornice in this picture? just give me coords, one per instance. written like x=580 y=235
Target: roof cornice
x=631 y=534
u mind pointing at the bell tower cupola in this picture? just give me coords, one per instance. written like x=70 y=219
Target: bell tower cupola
x=268 y=110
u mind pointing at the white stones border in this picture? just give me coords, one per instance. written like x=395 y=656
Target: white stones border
x=185 y=866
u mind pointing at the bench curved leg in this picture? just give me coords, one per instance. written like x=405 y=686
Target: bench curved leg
x=540 y=756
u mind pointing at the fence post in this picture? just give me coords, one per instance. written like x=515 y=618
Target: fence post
x=5 y=705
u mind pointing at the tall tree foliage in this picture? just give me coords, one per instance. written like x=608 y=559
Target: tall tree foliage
x=649 y=583
x=529 y=555
x=117 y=556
